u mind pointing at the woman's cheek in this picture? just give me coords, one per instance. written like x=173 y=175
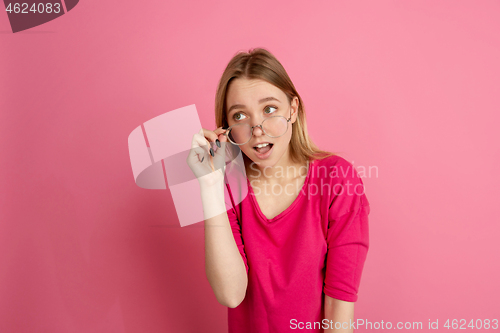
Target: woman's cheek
x=247 y=150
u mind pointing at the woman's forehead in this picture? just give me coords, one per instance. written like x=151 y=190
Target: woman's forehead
x=242 y=91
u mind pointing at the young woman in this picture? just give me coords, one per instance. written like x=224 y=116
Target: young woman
x=290 y=255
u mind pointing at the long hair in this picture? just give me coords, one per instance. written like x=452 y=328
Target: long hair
x=259 y=63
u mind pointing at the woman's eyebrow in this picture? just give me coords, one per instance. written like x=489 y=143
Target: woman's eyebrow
x=263 y=100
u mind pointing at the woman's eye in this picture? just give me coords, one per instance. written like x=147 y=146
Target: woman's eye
x=271 y=107
x=236 y=116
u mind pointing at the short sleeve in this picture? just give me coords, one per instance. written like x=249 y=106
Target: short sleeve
x=236 y=228
x=347 y=239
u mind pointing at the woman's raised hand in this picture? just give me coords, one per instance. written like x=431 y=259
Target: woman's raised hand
x=209 y=169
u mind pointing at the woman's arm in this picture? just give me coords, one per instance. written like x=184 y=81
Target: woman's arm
x=224 y=266
x=341 y=312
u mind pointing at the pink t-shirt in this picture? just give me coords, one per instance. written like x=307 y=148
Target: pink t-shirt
x=317 y=246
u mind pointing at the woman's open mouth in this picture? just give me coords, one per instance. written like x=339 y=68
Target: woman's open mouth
x=263 y=150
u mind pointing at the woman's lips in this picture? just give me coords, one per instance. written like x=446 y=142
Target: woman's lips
x=265 y=155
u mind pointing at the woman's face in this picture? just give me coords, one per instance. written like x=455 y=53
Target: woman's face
x=253 y=101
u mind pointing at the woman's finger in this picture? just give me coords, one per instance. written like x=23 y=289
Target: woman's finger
x=201 y=141
x=199 y=153
x=222 y=137
x=219 y=130
x=209 y=135
x=214 y=137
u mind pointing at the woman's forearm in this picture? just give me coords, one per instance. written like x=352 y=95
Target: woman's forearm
x=340 y=312
x=224 y=266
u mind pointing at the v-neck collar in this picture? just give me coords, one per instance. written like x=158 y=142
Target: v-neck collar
x=299 y=197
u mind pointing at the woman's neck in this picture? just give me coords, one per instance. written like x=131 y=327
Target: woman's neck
x=280 y=173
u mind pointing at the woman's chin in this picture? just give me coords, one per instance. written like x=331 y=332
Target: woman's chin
x=267 y=163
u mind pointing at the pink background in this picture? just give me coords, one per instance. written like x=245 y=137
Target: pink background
x=409 y=87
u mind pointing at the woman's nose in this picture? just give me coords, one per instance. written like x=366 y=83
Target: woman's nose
x=257 y=130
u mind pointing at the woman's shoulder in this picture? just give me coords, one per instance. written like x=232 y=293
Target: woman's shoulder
x=331 y=160
x=344 y=181
x=335 y=167
x=336 y=161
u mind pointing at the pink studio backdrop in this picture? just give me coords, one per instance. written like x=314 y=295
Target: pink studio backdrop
x=411 y=88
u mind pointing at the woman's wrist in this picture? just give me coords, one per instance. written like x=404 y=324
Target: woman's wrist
x=212 y=197
x=211 y=184
x=212 y=181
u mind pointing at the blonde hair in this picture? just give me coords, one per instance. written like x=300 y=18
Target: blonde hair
x=259 y=63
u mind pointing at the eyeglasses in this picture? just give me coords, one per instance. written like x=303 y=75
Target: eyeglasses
x=274 y=127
